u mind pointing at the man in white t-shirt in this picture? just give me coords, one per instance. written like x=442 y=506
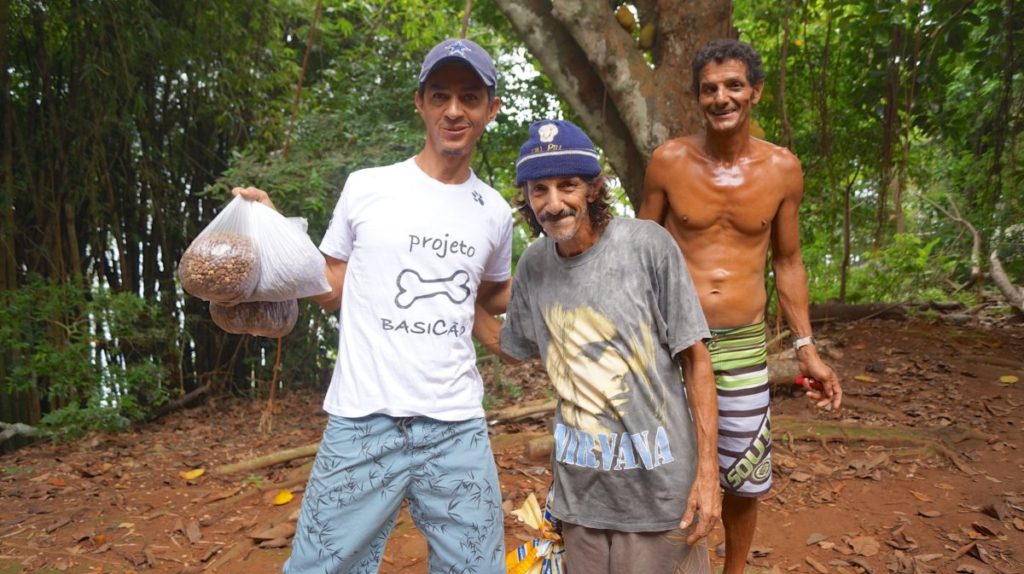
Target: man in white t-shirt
x=411 y=249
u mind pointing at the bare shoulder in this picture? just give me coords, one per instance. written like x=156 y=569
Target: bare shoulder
x=781 y=167
x=781 y=158
x=677 y=149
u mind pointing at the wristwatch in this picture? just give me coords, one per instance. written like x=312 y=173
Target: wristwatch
x=803 y=342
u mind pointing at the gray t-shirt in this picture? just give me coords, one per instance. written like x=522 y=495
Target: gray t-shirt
x=607 y=324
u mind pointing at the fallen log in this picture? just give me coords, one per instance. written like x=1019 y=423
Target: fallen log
x=534 y=408
x=1014 y=295
x=846 y=312
x=182 y=402
x=11 y=430
x=268 y=460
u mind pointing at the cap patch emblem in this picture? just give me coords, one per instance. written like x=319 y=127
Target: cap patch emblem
x=458 y=49
x=547 y=132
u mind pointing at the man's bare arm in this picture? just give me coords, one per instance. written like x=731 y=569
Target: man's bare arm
x=493 y=296
x=492 y=299
x=334 y=271
x=705 y=500
x=791 y=282
x=654 y=205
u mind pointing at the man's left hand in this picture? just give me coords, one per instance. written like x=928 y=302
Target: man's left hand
x=704 y=504
x=831 y=394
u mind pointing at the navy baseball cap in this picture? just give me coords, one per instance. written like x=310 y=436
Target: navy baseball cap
x=460 y=51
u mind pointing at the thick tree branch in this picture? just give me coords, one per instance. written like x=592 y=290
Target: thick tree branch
x=621 y=66
x=1014 y=295
x=976 y=272
x=11 y=430
x=576 y=82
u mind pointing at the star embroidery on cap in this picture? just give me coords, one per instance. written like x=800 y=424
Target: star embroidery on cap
x=458 y=49
x=477 y=197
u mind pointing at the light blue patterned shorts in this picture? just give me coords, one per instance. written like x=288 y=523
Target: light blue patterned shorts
x=364 y=470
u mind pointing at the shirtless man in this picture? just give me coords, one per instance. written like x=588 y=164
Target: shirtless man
x=726 y=197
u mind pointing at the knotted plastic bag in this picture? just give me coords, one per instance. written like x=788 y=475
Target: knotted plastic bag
x=538 y=555
x=249 y=253
x=261 y=318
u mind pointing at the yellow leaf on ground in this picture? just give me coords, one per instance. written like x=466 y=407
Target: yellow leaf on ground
x=192 y=474
x=283 y=497
x=1008 y=379
x=866 y=379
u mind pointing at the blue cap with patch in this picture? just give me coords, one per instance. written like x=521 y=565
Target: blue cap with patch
x=556 y=148
x=460 y=51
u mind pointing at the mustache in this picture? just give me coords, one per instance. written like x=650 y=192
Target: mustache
x=567 y=212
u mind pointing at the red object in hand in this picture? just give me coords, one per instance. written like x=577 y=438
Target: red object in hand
x=809 y=383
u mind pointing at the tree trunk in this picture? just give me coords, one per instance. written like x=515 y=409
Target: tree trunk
x=890 y=134
x=627 y=107
x=786 y=138
x=1014 y=295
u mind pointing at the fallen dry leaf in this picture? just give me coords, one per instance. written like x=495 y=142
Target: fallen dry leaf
x=192 y=532
x=921 y=496
x=865 y=545
x=220 y=495
x=283 y=530
x=997 y=511
x=815 y=538
x=929 y=513
x=865 y=379
x=817 y=565
x=275 y=543
x=1008 y=379
x=282 y=497
x=192 y=474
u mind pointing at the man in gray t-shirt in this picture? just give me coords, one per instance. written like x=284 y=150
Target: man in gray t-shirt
x=609 y=306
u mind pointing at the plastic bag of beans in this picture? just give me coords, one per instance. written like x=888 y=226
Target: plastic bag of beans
x=261 y=318
x=250 y=252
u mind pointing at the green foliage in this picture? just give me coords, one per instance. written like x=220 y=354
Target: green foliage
x=502 y=390
x=73 y=422
x=907 y=269
x=956 y=84
x=96 y=358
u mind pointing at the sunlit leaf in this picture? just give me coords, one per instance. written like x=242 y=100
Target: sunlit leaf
x=283 y=497
x=192 y=474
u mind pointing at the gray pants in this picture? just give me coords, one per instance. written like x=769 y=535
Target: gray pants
x=597 y=551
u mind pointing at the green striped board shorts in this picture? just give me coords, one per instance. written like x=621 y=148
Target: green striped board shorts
x=740 y=360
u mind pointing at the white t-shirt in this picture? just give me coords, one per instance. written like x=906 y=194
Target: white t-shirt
x=417 y=250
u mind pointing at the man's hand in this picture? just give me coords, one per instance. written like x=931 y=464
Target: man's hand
x=254 y=194
x=812 y=366
x=704 y=503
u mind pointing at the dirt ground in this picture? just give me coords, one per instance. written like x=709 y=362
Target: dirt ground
x=922 y=470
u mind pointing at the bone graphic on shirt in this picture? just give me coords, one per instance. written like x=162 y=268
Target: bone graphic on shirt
x=412 y=287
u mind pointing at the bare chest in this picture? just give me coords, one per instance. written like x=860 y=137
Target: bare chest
x=725 y=200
